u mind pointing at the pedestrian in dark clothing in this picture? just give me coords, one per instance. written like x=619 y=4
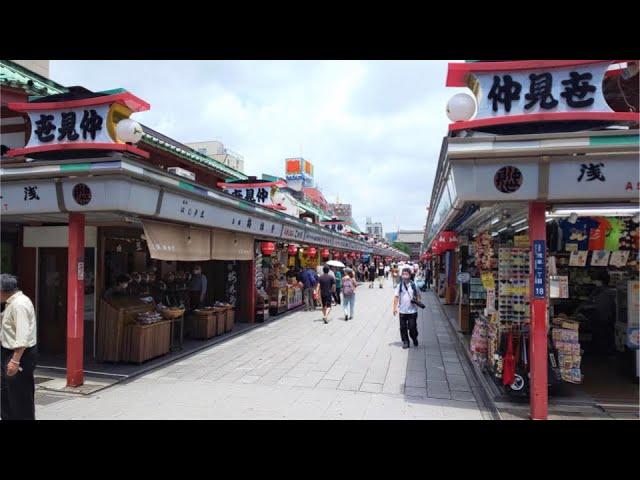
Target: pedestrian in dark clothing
x=327 y=287
x=309 y=282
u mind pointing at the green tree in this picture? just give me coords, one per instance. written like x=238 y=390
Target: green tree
x=403 y=247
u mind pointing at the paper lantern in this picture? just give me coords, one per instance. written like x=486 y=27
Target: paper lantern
x=128 y=131
x=461 y=107
x=447 y=240
x=312 y=252
x=324 y=253
x=292 y=250
x=267 y=248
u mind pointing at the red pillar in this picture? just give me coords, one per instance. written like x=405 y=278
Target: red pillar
x=538 y=335
x=75 y=301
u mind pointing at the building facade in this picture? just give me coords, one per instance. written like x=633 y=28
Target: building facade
x=412 y=238
x=374 y=229
x=216 y=150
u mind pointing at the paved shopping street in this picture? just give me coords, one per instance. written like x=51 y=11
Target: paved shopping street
x=297 y=367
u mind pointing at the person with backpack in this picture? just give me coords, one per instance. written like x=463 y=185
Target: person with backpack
x=403 y=303
x=372 y=274
x=309 y=282
x=349 y=285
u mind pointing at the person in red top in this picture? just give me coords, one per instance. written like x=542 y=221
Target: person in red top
x=598 y=234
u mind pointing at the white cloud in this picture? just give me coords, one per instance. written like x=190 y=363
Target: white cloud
x=372 y=129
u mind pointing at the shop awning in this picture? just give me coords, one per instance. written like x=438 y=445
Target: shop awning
x=173 y=242
x=231 y=246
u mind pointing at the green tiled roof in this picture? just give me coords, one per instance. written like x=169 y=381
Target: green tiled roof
x=13 y=75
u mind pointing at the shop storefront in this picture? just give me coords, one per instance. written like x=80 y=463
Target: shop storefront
x=110 y=243
x=545 y=270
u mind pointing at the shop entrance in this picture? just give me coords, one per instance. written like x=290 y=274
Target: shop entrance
x=52 y=302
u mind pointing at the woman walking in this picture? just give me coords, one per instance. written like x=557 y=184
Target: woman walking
x=349 y=285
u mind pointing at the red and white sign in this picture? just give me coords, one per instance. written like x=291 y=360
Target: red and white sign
x=82 y=124
x=535 y=91
x=266 y=194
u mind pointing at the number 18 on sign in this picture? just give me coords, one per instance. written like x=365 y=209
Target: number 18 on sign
x=539 y=267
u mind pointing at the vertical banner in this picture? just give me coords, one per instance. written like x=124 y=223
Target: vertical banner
x=539 y=267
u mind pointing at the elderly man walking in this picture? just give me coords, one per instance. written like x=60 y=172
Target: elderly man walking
x=18 y=352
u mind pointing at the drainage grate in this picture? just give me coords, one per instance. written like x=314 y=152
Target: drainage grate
x=44 y=399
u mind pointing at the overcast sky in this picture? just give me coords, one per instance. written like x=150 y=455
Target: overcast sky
x=372 y=129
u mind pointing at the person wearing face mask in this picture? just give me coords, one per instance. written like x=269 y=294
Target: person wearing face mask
x=197 y=288
x=405 y=292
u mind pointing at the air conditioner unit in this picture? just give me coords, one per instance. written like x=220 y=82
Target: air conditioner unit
x=181 y=172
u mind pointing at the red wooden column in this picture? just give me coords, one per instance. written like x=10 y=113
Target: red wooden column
x=75 y=301
x=538 y=335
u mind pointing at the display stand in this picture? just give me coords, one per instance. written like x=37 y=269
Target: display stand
x=144 y=342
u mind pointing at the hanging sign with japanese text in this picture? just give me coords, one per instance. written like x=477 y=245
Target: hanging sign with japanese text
x=535 y=90
x=177 y=207
x=78 y=124
x=539 y=267
x=292 y=233
x=28 y=197
x=523 y=92
x=317 y=238
x=594 y=177
x=262 y=193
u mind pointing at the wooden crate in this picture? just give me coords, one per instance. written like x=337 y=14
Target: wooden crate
x=203 y=327
x=220 y=314
x=229 y=319
x=112 y=322
x=144 y=342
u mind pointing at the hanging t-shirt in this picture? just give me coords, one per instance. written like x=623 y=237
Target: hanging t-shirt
x=598 y=234
x=612 y=241
x=577 y=233
x=629 y=235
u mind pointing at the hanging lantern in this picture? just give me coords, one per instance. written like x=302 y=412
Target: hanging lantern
x=267 y=248
x=448 y=240
x=292 y=250
x=312 y=252
x=324 y=253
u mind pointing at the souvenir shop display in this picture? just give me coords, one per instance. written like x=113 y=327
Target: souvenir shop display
x=566 y=345
x=600 y=258
x=479 y=341
x=513 y=289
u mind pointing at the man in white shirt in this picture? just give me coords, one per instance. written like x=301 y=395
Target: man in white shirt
x=404 y=293
x=18 y=345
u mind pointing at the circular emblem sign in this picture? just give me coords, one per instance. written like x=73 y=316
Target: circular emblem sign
x=508 y=179
x=81 y=194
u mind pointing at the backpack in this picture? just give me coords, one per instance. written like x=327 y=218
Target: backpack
x=348 y=287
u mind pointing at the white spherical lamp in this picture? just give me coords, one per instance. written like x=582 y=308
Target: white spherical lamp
x=461 y=107
x=128 y=131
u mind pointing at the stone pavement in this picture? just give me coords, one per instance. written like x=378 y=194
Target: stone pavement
x=299 y=368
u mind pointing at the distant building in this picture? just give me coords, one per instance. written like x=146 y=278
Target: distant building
x=412 y=238
x=217 y=151
x=374 y=229
x=41 y=67
x=391 y=236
